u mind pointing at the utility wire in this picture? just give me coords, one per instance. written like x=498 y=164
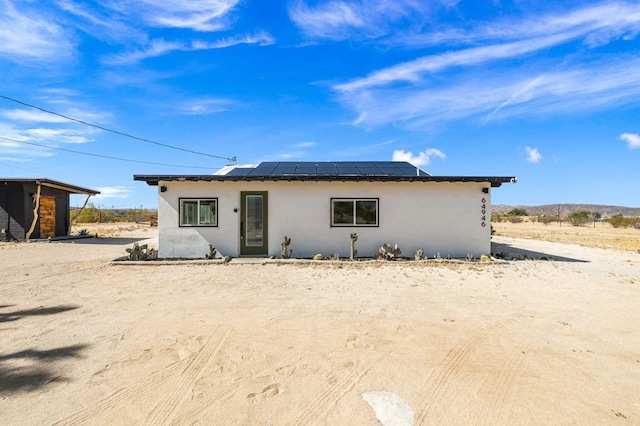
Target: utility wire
x=231 y=159
x=102 y=156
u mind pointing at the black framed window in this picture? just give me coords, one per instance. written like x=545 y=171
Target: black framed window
x=198 y=212
x=354 y=212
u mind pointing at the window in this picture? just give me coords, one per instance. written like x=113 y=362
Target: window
x=199 y=212
x=354 y=212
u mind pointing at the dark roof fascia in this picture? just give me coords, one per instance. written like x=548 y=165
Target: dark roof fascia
x=153 y=180
x=52 y=184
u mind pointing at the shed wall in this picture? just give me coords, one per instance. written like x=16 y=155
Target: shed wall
x=17 y=204
x=441 y=218
x=12 y=215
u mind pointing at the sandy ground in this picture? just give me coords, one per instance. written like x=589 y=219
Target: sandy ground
x=601 y=235
x=523 y=342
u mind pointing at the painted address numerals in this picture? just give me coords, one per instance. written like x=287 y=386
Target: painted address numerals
x=484 y=213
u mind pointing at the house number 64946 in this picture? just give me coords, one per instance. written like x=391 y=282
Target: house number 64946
x=484 y=213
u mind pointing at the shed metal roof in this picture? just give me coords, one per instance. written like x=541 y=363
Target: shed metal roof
x=73 y=189
x=351 y=171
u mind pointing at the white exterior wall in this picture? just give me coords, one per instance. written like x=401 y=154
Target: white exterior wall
x=441 y=218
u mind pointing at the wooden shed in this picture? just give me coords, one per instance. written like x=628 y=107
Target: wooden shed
x=33 y=208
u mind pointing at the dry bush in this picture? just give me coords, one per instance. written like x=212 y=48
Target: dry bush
x=547 y=219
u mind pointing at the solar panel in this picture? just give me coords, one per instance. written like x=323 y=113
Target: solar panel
x=240 y=171
x=330 y=168
x=348 y=170
x=369 y=170
x=327 y=170
x=284 y=169
x=306 y=170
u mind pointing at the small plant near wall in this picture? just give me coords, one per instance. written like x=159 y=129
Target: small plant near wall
x=388 y=252
x=286 y=254
x=353 y=252
x=141 y=252
x=212 y=252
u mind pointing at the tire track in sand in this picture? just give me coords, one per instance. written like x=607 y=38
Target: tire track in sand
x=330 y=395
x=164 y=412
x=440 y=379
x=190 y=414
x=124 y=396
x=501 y=387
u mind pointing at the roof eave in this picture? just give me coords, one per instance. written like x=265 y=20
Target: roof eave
x=495 y=181
x=73 y=189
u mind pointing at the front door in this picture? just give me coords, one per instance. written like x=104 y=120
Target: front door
x=253 y=223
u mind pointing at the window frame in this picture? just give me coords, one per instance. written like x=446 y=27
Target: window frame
x=354 y=200
x=198 y=200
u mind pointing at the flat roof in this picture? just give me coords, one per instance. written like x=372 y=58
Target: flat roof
x=52 y=184
x=344 y=171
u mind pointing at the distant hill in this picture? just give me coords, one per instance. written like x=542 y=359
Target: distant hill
x=566 y=209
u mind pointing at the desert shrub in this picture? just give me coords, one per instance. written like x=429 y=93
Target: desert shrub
x=634 y=222
x=92 y=214
x=496 y=217
x=618 y=221
x=516 y=219
x=518 y=212
x=546 y=219
x=579 y=218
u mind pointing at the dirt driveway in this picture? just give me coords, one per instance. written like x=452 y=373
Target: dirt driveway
x=525 y=342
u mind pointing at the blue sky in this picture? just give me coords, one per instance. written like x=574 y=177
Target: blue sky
x=547 y=91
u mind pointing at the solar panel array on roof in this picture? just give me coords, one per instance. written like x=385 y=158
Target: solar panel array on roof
x=330 y=168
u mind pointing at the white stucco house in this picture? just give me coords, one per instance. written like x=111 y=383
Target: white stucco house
x=248 y=210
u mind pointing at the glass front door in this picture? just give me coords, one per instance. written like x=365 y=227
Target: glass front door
x=253 y=223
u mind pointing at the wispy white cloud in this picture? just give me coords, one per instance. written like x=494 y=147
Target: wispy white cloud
x=13 y=159
x=513 y=39
x=204 y=106
x=27 y=36
x=598 y=23
x=199 y=15
x=295 y=151
x=154 y=49
x=286 y=155
x=260 y=38
x=102 y=23
x=51 y=32
x=340 y=20
x=309 y=144
x=159 y=47
x=421 y=158
x=29 y=132
x=406 y=93
x=533 y=155
x=413 y=71
x=38 y=116
x=32 y=116
x=107 y=192
x=57 y=135
x=330 y=20
x=632 y=140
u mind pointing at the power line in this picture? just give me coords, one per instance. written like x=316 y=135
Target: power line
x=232 y=159
x=102 y=156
